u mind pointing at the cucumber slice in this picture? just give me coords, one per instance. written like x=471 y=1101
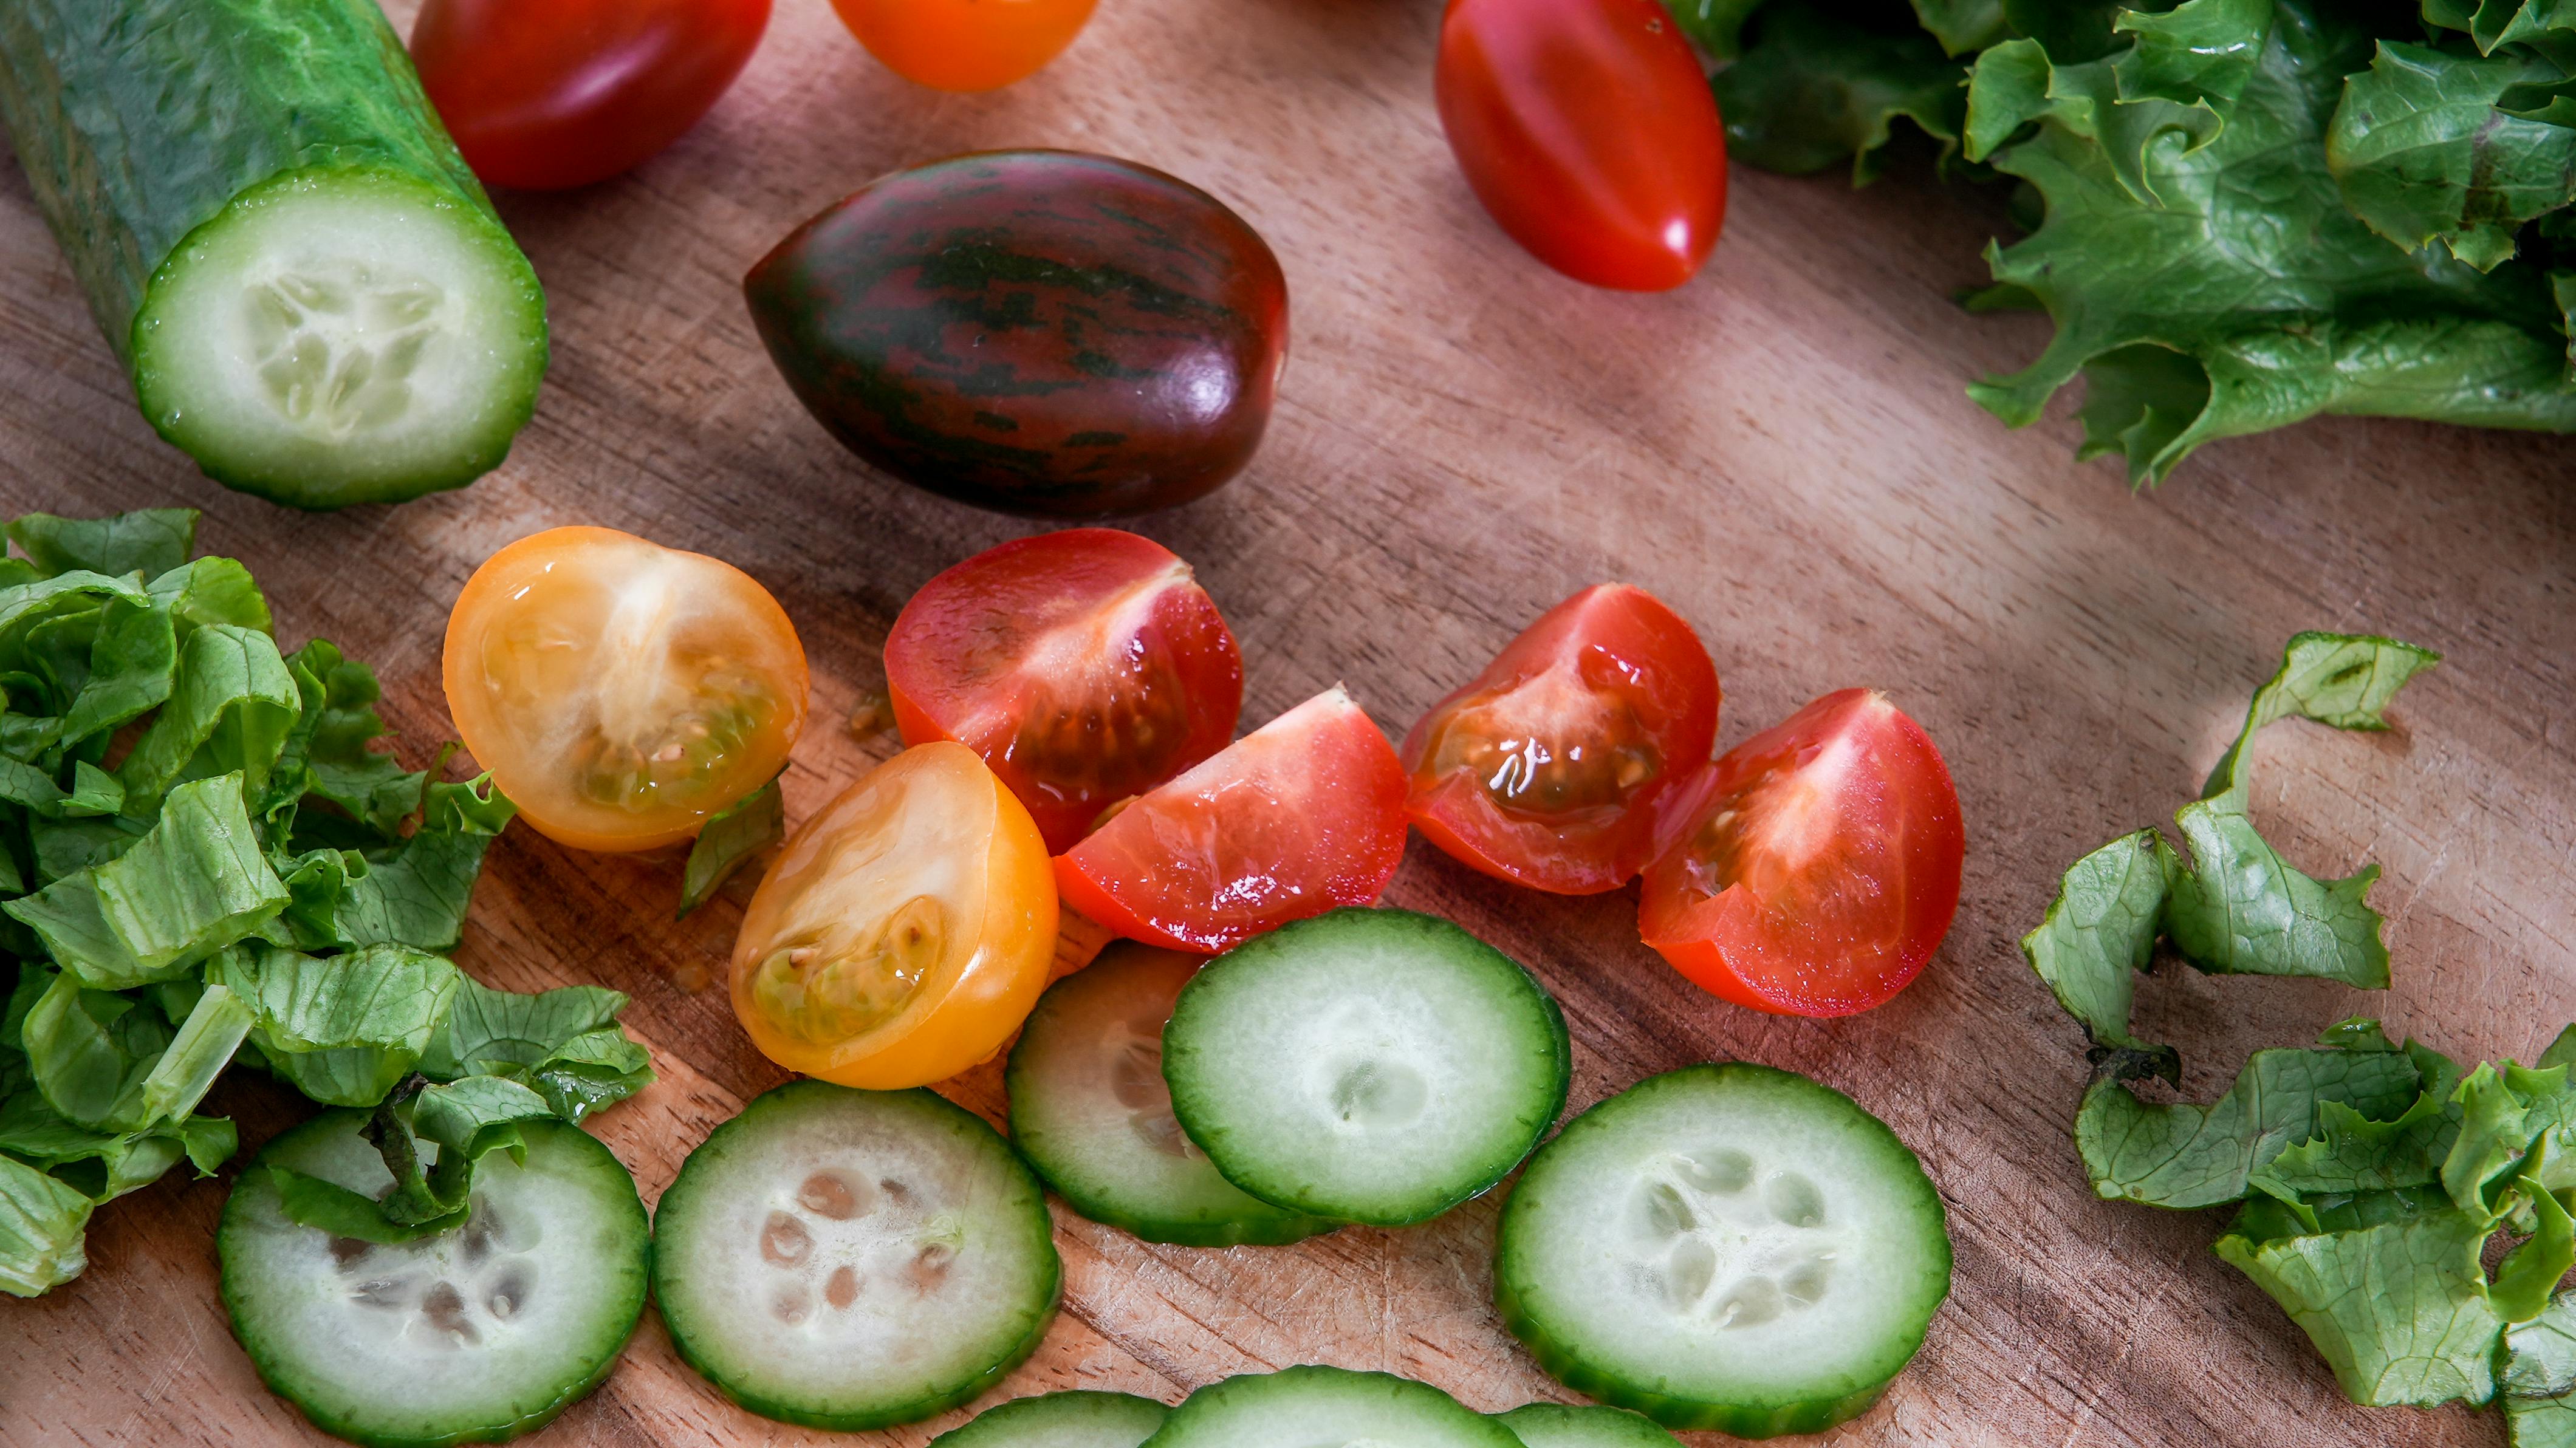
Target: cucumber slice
x=1727 y=1247
x=475 y=1335
x=1300 y=1406
x=1367 y=1065
x=1090 y=1110
x=340 y=336
x=1061 y=1420
x=1563 y=1425
x=854 y=1259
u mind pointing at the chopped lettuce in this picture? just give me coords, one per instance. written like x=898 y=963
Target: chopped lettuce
x=733 y=835
x=254 y=880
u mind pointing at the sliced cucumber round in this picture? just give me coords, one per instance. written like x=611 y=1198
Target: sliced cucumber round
x=854 y=1259
x=342 y=335
x=1090 y=1110
x=1296 y=1407
x=1727 y=1247
x=1061 y=1420
x=1366 y=1065
x=475 y=1335
x=1563 y=1425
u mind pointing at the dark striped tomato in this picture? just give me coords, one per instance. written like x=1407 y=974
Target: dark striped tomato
x=1039 y=332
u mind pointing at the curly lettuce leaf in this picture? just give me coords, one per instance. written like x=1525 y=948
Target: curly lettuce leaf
x=1718 y=25
x=333 y=747
x=2428 y=150
x=2537 y=1372
x=41 y=1225
x=563 y=1044
x=1821 y=85
x=732 y=836
x=2099 y=932
x=2185 y=1155
x=2224 y=241
x=2353 y=1153
x=2494 y=23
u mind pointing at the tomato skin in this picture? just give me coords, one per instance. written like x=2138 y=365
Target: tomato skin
x=606 y=625
x=964 y=45
x=972 y=1005
x=1589 y=132
x=549 y=94
x=1303 y=814
x=1084 y=666
x=1817 y=866
x=1608 y=679
x=1047 y=333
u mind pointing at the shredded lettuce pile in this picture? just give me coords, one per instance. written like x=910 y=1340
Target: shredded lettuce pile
x=2243 y=212
x=2368 y=1178
x=250 y=880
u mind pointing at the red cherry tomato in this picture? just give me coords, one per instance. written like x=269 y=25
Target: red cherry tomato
x=1085 y=666
x=545 y=94
x=1297 y=817
x=1551 y=766
x=1819 y=866
x=1589 y=131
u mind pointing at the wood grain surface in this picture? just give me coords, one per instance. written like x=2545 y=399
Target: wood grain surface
x=1781 y=450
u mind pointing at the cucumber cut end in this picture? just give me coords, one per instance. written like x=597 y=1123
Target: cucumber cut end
x=341 y=335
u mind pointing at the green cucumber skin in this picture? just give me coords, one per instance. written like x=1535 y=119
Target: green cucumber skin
x=138 y=121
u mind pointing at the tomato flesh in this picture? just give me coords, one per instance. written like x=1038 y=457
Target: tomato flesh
x=1819 y=866
x=1303 y=814
x=1550 y=768
x=546 y=94
x=619 y=691
x=1589 y=132
x=964 y=45
x=1084 y=666
x=905 y=931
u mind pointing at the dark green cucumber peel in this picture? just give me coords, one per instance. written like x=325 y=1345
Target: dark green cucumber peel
x=1075 y=1419
x=140 y=122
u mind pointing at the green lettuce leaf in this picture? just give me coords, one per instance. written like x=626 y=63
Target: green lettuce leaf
x=2352 y=1153
x=2099 y=932
x=41 y=1222
x=1717 y=25
x=458 y=1124
x=416 y=893
x=2537 y=1372
x=2185 y=1155
x=230 y=712
x=334 y=747
x=2426 y=152
x=1821 y=85
x=346 y=1029
x=210 y=591
x=732 y=836
x=150 y=542
x=2493 y=23
x=563 y=1044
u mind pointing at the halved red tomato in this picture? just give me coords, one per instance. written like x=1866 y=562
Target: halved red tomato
x=1301 y=815
x=1551 y=767
x=1085 y=666
x=1819 y=866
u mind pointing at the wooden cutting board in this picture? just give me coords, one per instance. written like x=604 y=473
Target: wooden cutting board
x=1781 y=450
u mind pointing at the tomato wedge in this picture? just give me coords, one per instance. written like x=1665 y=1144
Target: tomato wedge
x=1303 y=814
x=1819 y=864
x=1085 y=666
x=1550 y=767
x=905 y=931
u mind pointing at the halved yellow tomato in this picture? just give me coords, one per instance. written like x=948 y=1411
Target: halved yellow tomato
x=621 y=692
x=906 y=930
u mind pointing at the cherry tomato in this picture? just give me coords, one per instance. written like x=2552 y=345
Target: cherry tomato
x=1589 y=131
x=546 y=94
x=964 y=45
x=1818 y=866
x=620 y=691
x=1550 y=767
x=905 y=931
x=1084 y=666
x=1297 y=817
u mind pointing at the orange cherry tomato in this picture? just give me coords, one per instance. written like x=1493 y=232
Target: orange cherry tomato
x=905 y=931
x=619 y=691
x=1550 y=768
x=1818 y=866
x=964 y=45
x=1589 y=131
x=1301 y=815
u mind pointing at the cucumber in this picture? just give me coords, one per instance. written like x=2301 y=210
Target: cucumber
x=1727 y=1247
x=1297 y=1407
x=475 y=1335
x=307 y=285
x=1366 y=1065
x=1091 y=1112
x=1562 y=1425
x=854 y=1259
x=1061 y=1420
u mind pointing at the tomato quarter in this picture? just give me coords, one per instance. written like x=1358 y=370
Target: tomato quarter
x=619 y=691
x=1588 y=130
x=905 y=931
x=964 y=45
x=1818 y=867
x=1295 y=818
x=1085 y=666
x=1549 y=769
x=547 y=94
